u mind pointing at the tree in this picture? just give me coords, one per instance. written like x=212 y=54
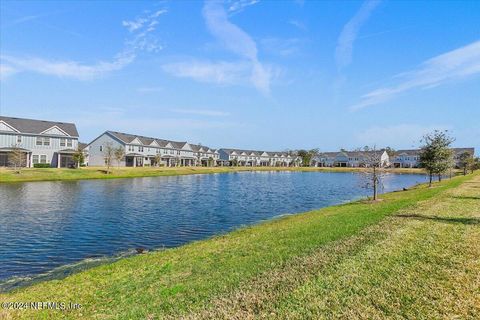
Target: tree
x=390 y=151
x=119 y=154
x=436 y=157
x=17 y=158
x=210 y=162
x=464 y=161
x=307 y=156
x=108 y=155
x=474 y=164
x=372 y=175
x=157 y=160
x=78 y=157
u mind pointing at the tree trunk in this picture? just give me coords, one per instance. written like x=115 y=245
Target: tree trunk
x=430 y=181
x=464 y=171
x=439 y=177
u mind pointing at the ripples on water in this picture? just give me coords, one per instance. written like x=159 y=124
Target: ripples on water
x=47 y=225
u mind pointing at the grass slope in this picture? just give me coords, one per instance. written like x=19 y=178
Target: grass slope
x=54 y=174
x=413 y=255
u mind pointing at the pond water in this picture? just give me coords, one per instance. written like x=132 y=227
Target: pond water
x=47 y=225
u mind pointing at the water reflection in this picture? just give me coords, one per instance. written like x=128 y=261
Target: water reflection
x=44 y=225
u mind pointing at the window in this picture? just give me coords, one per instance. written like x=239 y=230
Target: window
x=19 y=139
x=39 y=141
x=140 y=149
x=35 y=158
x=101 y=148
x=62 y=142
x=69 y=143
x=46 y=141
x=130 y=148
x=43 y=158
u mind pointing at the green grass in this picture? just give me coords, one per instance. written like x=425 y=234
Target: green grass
x=414 y=255
x=54 y=174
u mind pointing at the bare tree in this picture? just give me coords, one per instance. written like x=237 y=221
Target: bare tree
x=464 y=162
x=119 y=154
x=17 y=158
x=108 y=155
x=372 y=175
x=157 y=160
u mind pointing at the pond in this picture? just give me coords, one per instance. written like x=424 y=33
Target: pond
x=48 y=227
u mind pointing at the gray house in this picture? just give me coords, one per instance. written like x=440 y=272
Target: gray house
x=45 y=142
x=411 y=158
x=141 y=151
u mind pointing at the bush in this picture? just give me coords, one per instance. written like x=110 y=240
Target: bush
x=41 y=165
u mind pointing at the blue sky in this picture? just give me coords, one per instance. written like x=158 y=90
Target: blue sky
x=247 y=74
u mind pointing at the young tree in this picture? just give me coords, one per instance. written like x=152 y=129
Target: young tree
x=108 y=155
x=464 y=161
x=17 y=158
x=119 y=154
x=78 y=157
x=474 y=164
x=436 y=157
x=307 y=156
x=372 y=175
x=157 y=160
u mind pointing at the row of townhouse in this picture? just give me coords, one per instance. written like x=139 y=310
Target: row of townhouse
x=411 y=158
x=349 y=158
x=145 y=151
x=252 y=158
x=54 y=143
x=400 y=159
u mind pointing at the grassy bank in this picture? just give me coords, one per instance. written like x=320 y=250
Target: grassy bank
x=54 y=174
x=413 y=255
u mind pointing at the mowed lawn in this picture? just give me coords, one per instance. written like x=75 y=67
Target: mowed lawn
x=55 y=174
x=414 y=255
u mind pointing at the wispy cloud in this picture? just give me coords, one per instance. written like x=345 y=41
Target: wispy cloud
x=344 y=49
x=454 y=65
x=237 y=41
x=282 y=47
x=219 y=72
x=140 y=40
x=6 y=71
x=68 y=69
x=236 y=6
x=398 y=136
x=202 y=112
x=298 y=24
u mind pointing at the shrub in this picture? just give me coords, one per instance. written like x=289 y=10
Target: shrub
x=41 y=165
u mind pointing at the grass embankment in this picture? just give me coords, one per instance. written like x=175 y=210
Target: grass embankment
x=413 y=255
x=54 y=174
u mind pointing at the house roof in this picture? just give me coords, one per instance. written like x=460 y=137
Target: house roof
x=255 y=152
x=146 y=141
x=39 y=126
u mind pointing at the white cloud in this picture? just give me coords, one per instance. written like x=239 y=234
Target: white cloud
x=282 y=47
x=202 y=112
x=454 y=65
x=141 y=28
x=209 y=72
x=6 y=71
x=237 y=41
x=236 y=6
x=68 y=69
x=344 y=49
x=298 y=24
x=398 y=136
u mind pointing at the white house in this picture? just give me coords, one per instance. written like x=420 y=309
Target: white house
x=140 y=151
x=41 y=142
x=254 y=158
x=348 y=159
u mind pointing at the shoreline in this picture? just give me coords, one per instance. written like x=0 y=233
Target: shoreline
x=90 y=173
x=171 y=279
